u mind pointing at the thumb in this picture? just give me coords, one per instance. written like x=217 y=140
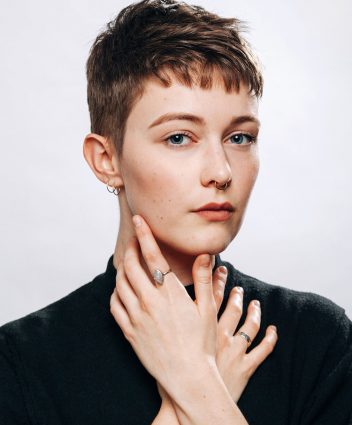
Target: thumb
x=202 y=278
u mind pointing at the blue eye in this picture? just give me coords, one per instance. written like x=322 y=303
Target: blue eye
x=238 y=139
x=179 y=139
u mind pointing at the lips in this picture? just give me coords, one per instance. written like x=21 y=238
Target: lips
x=212 y=206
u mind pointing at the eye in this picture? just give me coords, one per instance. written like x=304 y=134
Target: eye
x=241 y=138
x=178 y=139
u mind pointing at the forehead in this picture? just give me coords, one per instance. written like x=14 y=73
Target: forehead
x=211 y=104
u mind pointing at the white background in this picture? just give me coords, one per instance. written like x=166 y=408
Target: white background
x=58 y=222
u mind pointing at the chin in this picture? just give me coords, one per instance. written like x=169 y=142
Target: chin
x=197 y=240
x=199 y=245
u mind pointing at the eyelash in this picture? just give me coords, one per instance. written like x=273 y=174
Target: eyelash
x=251 y=138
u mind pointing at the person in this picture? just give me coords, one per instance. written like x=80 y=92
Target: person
x=170 y=333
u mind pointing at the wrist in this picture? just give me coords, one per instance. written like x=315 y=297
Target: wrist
x=166 y=414
x=202 y=397
x=192 y=379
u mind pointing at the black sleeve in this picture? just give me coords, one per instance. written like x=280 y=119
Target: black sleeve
x=12 y=406
x=331 y=400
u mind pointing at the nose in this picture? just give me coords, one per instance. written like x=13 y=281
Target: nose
x=216 y=169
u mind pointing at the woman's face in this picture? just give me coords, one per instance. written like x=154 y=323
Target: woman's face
x=178 y=142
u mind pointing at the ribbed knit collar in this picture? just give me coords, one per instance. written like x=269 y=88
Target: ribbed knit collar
x=103 y=284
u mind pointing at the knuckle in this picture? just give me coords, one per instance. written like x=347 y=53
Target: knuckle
x=236 y=306
x=221 y=279
x=118 y=288
x=237 y=309
x=225 y=339
x=204 y=277
x=219 y=294
x=128 y=335
x=220 y=285
x=146 y=305
x=254 y=321
x=150 y=257
x=268 y=345
x=128 y=264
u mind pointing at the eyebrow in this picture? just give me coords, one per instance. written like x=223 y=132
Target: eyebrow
x=198 y=120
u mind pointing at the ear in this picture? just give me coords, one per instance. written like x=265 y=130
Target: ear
x=102 y=158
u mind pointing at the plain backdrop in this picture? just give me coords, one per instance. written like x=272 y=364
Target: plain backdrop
x=59 y=223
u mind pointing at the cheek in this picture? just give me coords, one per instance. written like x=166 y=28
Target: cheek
x=152 y=189
x=244 y=176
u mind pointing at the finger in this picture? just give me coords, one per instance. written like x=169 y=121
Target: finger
x=232 y=314
x=219 y=283
x=120 y=314
x=136 y=275
x=202 y=278
x=126 y=294
x=262 y=351
x=152 y=255
x=252 y=323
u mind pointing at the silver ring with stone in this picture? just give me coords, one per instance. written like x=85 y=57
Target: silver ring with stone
x=158 y=276
x=245 y=336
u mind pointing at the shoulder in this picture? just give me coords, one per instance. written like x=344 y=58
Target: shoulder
x=58 y=319
x=283 y=304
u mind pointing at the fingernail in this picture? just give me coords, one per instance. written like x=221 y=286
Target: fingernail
x=256 y=303
x=205 y=260
x=223 y=269
x=239 y=288
x=136 y=220
x=273 y=328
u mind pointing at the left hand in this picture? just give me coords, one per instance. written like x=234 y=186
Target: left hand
x=156 y=319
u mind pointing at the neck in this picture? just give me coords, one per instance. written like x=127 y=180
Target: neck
x=180 y=263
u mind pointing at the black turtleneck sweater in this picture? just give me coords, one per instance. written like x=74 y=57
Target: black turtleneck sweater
x=69 y=363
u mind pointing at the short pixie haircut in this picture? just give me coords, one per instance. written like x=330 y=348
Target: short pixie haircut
x=163 y=39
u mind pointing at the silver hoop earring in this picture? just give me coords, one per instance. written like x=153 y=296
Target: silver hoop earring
x=223 y=186
x=115 y=190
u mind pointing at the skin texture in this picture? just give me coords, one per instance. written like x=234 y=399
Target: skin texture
x=203 y=368
x=164 y=182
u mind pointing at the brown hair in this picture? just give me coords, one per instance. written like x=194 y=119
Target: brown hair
x=163 y=38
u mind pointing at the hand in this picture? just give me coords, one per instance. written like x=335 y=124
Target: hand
x=136 y=299
x=235 y=366
x=174 y=337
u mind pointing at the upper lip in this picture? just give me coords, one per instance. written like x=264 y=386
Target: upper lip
x=216 y=207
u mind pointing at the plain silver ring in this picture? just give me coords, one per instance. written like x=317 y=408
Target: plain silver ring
x=245 y=336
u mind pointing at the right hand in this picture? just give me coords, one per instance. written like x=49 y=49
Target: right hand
x=236 y=366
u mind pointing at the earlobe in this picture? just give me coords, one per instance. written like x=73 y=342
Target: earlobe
x=102 y=159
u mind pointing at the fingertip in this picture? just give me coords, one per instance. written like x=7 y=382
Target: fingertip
x=205 y=260
x=222 y=270
x=220 y=276
x=137 y=220
x=271 y=333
